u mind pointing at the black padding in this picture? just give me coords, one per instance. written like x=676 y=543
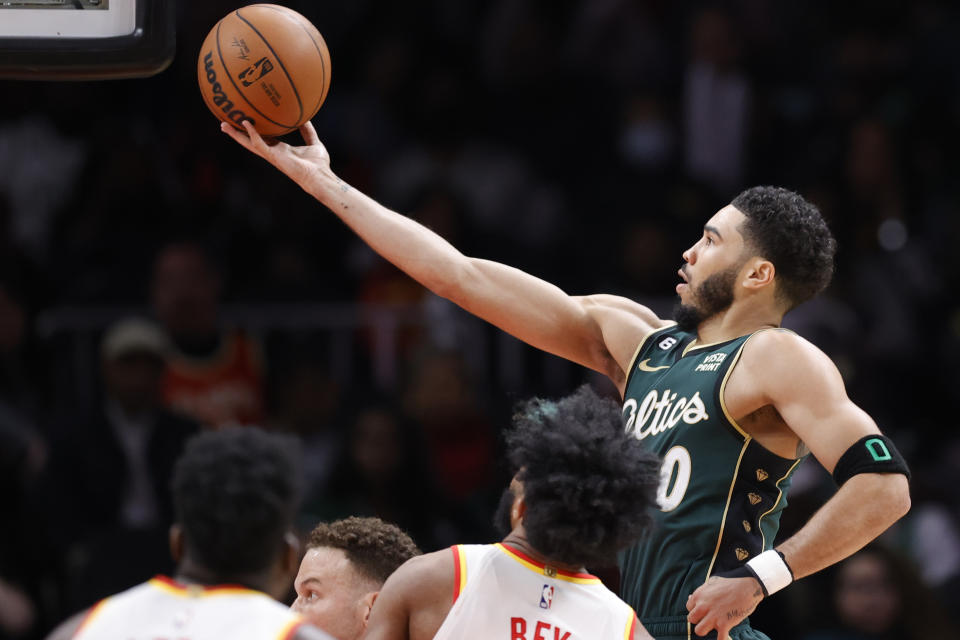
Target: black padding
x=870 y=454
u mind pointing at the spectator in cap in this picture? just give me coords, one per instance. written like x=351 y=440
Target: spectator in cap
x=110 y=470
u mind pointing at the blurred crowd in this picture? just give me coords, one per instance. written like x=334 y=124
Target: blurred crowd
x=584 y=141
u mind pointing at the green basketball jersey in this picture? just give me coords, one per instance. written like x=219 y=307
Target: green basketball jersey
x=721 y=493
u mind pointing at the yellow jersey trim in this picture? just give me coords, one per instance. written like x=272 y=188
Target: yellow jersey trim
x=95 y=611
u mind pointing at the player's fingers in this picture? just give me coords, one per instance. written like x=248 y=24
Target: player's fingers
x=691 y=601
x=255 y=139
x=723 y=631
x=236 y=135
x=705 y=626
x=696 y=614
x=309 y=133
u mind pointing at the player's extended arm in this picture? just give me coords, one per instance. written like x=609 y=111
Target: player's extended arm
x=414 y=600
x=807 y=390
x=599 y=332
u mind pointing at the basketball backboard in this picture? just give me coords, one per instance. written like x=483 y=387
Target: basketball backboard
x=85 y=39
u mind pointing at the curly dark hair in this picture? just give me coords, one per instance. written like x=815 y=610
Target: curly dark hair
x=786 y=229
x=235 y=493
x=374 y=547
x=588 y=487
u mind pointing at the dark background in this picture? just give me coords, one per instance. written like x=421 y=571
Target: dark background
x=584 y=141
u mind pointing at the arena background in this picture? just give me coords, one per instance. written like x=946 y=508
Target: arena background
x=584 y=141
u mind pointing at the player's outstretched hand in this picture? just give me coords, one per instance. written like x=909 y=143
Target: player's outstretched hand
x=722 y=603
x=300 y=164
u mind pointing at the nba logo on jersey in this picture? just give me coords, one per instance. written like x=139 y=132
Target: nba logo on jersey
x=546 y=597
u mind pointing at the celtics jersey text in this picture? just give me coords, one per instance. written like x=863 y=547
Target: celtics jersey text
x=502 y=594
x=720 y=494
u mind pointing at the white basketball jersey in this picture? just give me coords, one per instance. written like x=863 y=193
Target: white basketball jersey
x=162 y=609
x=502 y=594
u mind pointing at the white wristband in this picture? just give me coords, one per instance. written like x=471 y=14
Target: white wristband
x=771 y=570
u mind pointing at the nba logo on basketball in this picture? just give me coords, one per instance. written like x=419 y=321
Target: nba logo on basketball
x=546 y=597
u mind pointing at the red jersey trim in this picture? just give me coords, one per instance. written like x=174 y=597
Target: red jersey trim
x=459 y=571
x=551 y=572
x=178 y=588
x=631 y=626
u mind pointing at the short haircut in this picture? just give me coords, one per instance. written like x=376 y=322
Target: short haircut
x=235 y=494
x=786 y=229
x=588 y=487
x=375 y=548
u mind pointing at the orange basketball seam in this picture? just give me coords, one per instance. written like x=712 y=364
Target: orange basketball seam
x=297 y=17
x=282 y=66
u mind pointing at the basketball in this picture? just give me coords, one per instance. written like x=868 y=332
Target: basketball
x=266 y=64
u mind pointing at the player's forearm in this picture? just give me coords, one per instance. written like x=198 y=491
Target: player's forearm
x=863 y=508
x=413 y=248
x=533 y=310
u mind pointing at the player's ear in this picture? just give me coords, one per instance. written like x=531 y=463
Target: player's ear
x=367 y=603
x=519 y=510
x=176 y=543
x=759 y=273
x=291 y=553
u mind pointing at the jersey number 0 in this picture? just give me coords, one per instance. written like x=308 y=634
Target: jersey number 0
x=676 y=466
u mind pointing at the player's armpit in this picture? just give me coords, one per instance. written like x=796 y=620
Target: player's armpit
x=622 y=324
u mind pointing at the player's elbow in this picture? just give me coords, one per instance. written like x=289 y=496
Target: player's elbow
x=892 y=490
x=455 y=281
x=900 y=495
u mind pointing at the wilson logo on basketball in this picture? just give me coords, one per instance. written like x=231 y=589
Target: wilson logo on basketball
x=219 y=96
x=254 y=72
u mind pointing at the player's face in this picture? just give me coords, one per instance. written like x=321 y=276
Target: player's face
x=710 y=269
x=331 y=594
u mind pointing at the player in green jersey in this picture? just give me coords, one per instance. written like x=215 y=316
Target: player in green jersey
x=729 y=400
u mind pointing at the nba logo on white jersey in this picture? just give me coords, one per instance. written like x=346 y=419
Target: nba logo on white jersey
x=546 y=597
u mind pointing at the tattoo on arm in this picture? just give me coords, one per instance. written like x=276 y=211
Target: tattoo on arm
x=344 y=187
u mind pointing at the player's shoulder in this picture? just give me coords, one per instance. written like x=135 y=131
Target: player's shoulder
x=429 y=564
x=780 y=356
x=777 y=342
x=421 y=573
x=421 y=581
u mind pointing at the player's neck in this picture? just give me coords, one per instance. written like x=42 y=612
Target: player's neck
x=189 y=572
x=517 y=539
x=737 y=321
